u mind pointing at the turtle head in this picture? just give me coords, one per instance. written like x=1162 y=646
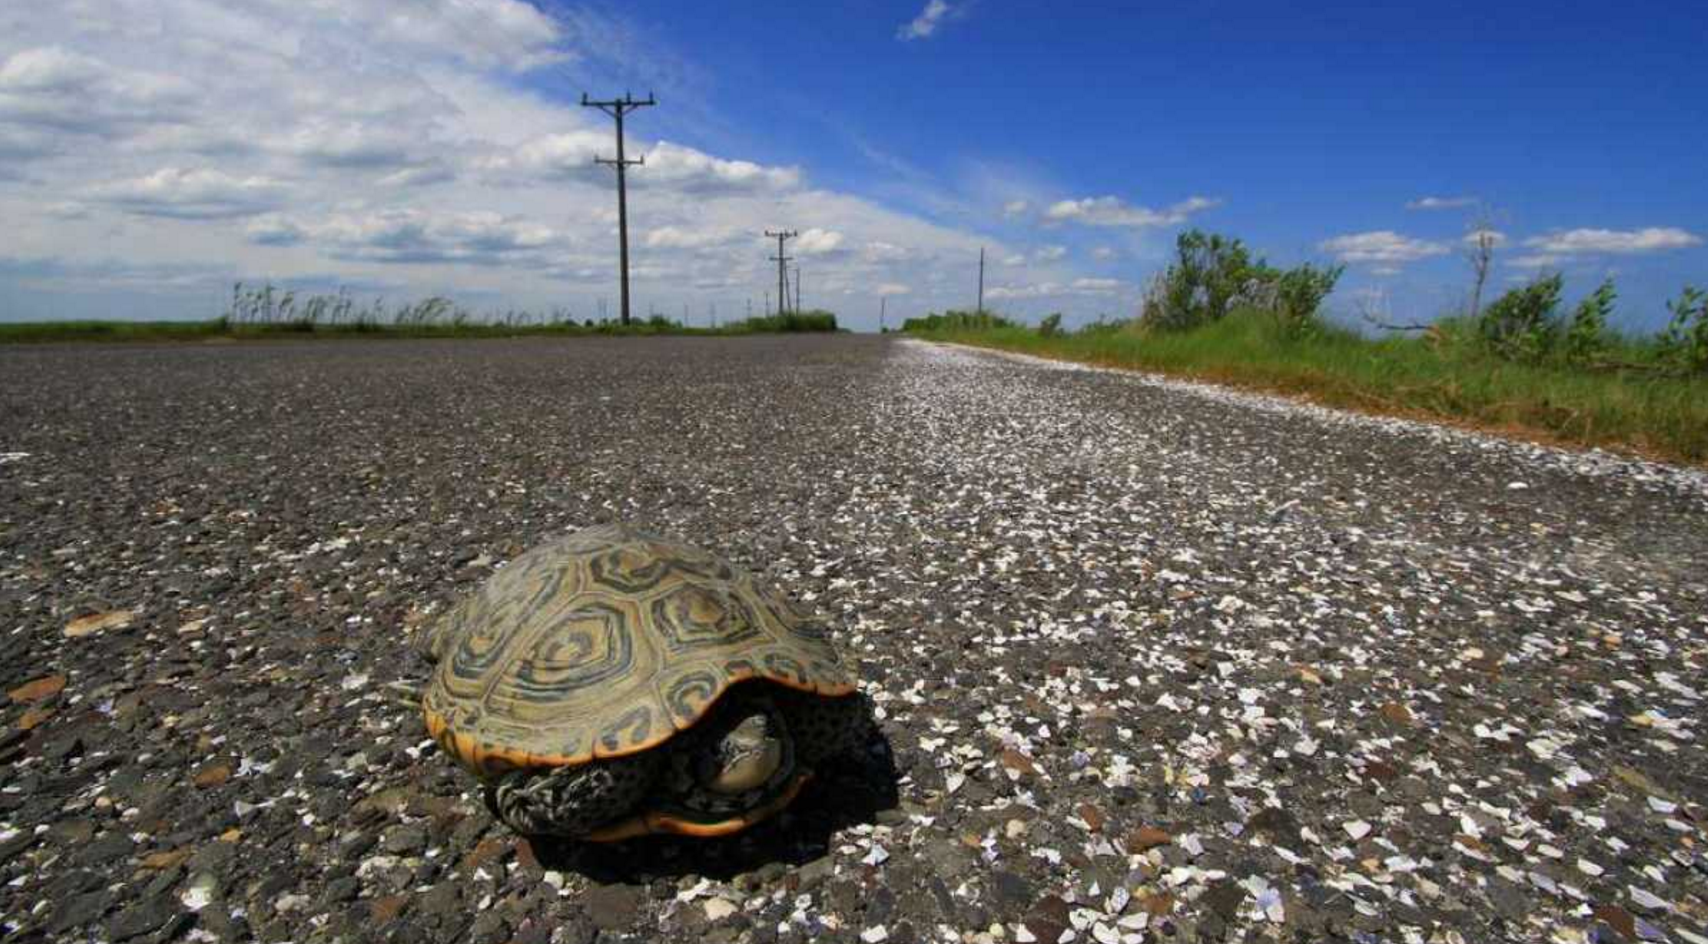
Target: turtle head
x=745 y=758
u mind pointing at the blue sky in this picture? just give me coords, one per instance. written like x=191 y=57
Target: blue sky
x=419 y=146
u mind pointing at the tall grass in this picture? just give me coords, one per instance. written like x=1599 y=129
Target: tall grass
x=1625 y=402
x=258 y=311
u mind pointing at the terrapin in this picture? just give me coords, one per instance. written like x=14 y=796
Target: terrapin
x=613 y=683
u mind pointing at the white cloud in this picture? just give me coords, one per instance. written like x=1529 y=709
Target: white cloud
x=817 y=242
x=1495 y=237
x=54 y=87
x=348 y=144
x=1596 y=241
x=680 y=237
x=413 y=236
x=1113 y=211
x=1049 y=289
x=880 y=251
x=1103 y=253
x=1014 y=259
x=893 y=288
x=928 y=21
x=683 y=168
x=1383 y=246
x=1049 y=253
x=197 y=194
x=1014 y=208
x=1441 y=203
x=1385 y=270
x=1541 y=260
x=570 y=156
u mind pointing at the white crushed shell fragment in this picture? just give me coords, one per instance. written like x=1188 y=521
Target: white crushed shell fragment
x=199 y=893
x=875 y=934
x=700 y=888
x=1272 y=906
x=1104 y=934
x=718 y=909
x=1589 y=868
x=876 y=857
x=1137 y=921
x=1648 y=900
x=1357 y=829
x=953 y=782
x=1022 y=935
x=354 y=681
x=1663 y=807
x=1118 y=900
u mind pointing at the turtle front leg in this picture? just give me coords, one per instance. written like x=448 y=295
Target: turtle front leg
x=572 y=802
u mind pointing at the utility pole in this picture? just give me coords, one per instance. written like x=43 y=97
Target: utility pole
x=767 y=303
x=798 y=289
x=883 y=306
x=782 y=267
x=981 y=280
x=617 y=108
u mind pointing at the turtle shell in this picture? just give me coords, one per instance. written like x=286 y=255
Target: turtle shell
x=607 y=642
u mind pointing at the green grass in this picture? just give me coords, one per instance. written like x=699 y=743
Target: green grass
x=51 y=331
x=1634 y=408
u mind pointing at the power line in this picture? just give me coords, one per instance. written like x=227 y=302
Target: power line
x=782 y=267
x=617 y=108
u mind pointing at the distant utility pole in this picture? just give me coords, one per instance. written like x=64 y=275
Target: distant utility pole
x=617 y=108
x=883 y=306
x=767 y=303
x=981 y=280
x=798 y=306
x=782 y=267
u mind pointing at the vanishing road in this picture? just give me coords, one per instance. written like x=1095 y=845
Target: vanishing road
x=1153 y=662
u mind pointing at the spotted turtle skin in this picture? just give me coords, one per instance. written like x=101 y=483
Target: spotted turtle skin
x=605 y=643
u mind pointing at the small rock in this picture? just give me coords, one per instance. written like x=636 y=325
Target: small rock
x=1147 y=837
x=99 y=622
x=213 y=775
x=37 y=689
x=613 y=907
x=1397 y=713
x=385 y=909
x=166 y=860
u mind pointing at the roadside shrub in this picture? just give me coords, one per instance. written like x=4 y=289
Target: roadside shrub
x=1208 y=271
x=1212 y=274
x=788 y=322
x=1051 y=326
x=1520 y=324
x=1685 y=339
x=1586 y=333
x=1298 y=294
x=957 y=321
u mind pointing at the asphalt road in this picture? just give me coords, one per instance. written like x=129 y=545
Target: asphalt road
x=1152 y=662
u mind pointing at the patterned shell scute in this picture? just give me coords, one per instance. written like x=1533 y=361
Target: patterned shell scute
x=607 y=642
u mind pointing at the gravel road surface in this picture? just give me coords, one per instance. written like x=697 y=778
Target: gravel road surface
x=1153 y=662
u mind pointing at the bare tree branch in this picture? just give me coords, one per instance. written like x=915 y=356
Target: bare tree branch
x=1481 y=240
x=1373 y=308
